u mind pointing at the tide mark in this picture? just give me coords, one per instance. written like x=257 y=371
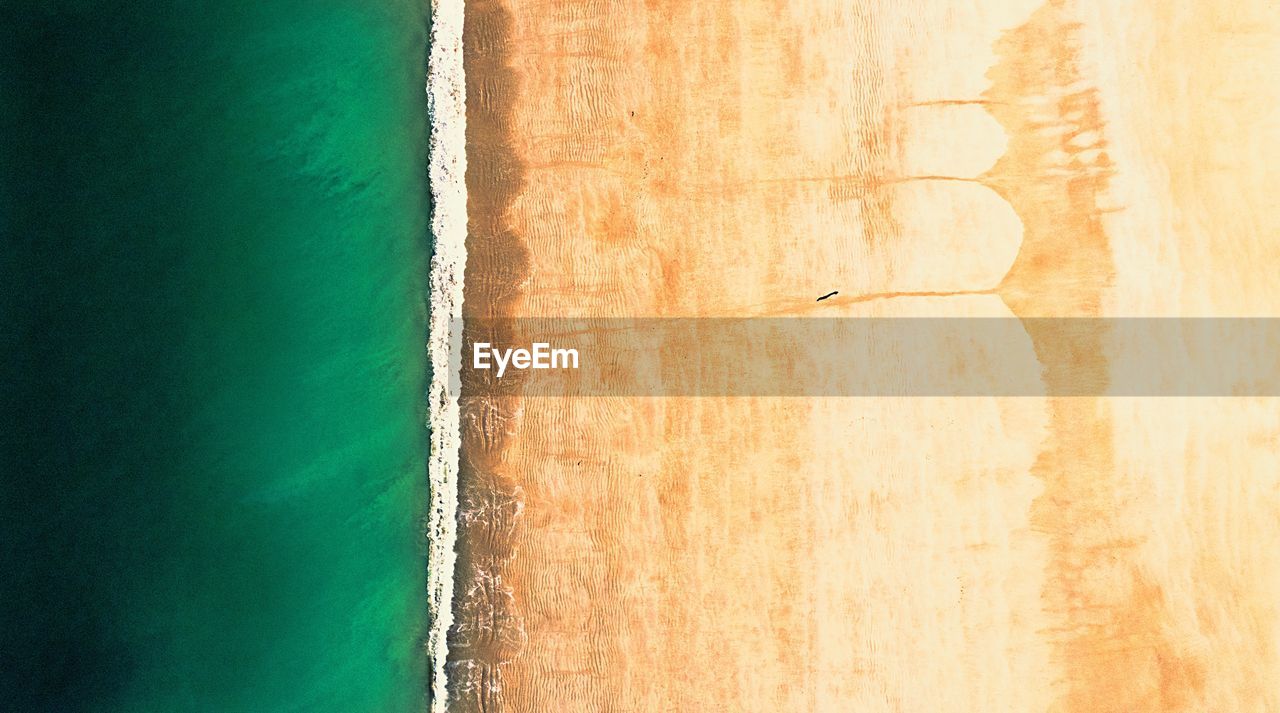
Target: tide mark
x=1111 y=644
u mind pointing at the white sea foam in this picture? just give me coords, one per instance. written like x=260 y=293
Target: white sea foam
x=446 y=101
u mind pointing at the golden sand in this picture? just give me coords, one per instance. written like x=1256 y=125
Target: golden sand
x=1099 y=158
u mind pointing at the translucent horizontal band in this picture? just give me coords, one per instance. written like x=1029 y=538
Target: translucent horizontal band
x=869 y=357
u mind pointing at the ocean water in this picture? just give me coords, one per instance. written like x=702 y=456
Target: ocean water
x=213 y=327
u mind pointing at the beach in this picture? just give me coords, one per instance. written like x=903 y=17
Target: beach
x=1068 y=159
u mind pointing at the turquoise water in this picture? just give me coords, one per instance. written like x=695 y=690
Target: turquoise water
x=214 y=224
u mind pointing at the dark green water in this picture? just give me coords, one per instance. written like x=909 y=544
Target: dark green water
x=212 y=279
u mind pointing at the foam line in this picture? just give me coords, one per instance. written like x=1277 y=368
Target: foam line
x=446 y=101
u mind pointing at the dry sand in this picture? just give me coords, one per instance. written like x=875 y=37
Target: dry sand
x=924 y=158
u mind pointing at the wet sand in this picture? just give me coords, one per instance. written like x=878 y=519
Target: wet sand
x=686 y=159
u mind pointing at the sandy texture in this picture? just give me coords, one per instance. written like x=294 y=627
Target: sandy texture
x=940 y=158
